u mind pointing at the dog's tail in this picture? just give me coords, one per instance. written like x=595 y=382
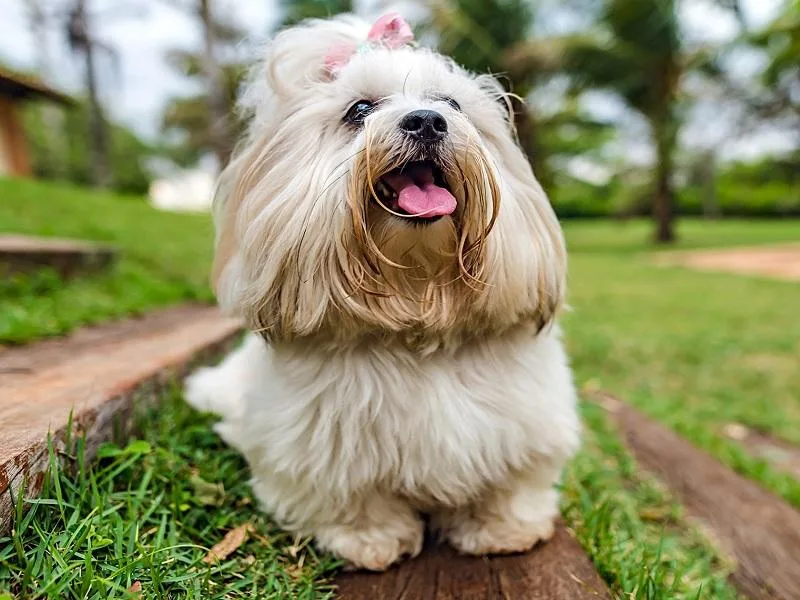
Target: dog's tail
x=221 y=389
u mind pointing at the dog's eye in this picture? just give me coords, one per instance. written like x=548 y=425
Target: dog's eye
x=455 y=105
x=452 y=103
x=358 y=112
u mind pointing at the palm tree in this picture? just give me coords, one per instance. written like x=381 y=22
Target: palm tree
x=207 y=120
x=212 y=110
x=190 y=116
x=637 y=53
x=477 y=34
x=780 y=40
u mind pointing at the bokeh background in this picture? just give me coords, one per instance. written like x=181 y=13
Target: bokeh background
x=667 y=135
x=634 y=107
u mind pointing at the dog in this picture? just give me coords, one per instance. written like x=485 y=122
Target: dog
x=401 y=271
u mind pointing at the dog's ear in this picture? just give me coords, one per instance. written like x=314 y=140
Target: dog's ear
x=293 y=63
x=299 y=56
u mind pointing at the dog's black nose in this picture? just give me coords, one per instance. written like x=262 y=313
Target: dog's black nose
x=424 y=125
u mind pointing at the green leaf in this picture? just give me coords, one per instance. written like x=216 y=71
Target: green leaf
x=138 y=447
x=107 y=451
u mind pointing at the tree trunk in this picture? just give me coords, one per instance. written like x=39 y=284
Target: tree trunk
x=82 y=41
x=665 y=134
x=708 y=186
x=218 y=106
x=101 y=175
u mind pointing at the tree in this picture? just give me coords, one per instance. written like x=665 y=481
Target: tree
x=636 y=52
x=81 y=40
x=477 y=34
x=191 y=116
x=498 y=36
x=207 y=119
x=779 y=96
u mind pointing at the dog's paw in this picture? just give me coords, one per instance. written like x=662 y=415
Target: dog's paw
x=497 y=536
x=373 y=548
x=199 y=388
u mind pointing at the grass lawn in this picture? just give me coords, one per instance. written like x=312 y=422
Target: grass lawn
x=164 y=258
x=677 y=343
x=695 y=350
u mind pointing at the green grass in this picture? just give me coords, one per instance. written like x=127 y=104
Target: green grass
x=695 y=350
x=164 y=258
x=148 y=513
x=632 y=528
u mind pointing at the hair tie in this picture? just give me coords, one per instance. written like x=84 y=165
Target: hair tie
x=391 y=31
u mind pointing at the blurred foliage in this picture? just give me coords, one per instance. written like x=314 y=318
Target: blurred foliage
x=490 y=37
x=766 y=188
x=635 y=51
x=780 y=40
x=70 y=158
x=187 y=119
x=297 y=10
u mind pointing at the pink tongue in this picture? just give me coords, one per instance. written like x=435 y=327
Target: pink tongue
x=422 y=198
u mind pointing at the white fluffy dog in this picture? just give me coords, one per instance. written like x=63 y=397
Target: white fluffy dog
x=401 y=269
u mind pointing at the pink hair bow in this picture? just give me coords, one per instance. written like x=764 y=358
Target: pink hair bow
x=390 y=31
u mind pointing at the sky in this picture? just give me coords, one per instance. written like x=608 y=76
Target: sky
x=136 y=88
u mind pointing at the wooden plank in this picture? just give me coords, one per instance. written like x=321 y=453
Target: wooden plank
x=760 y=530
x=94 y=376
x=556 y=570
x=26 y=254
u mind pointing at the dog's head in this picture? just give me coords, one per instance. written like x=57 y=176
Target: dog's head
x=379 y=191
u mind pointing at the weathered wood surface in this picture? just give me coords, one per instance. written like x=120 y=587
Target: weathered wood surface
x=93 y=375
x=26 y=254
x=556 y=570
x=760 y=530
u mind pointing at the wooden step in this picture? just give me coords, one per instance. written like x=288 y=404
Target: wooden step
x=760 y=530
x=26 y=254
x=555 y=570
x=91 y=379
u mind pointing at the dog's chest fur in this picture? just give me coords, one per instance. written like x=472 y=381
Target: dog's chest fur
x=436 y=430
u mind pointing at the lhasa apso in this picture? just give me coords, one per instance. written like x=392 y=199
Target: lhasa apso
x=384 y=238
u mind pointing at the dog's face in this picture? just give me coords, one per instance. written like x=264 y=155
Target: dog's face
x=387 y=197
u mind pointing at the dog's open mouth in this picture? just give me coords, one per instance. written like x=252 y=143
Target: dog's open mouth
x=417 y=191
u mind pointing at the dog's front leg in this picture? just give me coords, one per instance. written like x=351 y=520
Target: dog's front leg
x=511 y=518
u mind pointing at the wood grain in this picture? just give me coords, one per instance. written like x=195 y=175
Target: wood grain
x=556 y=570
x=760 y=530
x=68 y=258
x=90 y=380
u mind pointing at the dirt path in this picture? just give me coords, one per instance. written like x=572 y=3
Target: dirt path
x=557 y=570
x=760 y=530
x=90 y=379
x=781 y=262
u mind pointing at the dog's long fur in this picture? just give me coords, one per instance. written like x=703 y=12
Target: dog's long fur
x=394 y=368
